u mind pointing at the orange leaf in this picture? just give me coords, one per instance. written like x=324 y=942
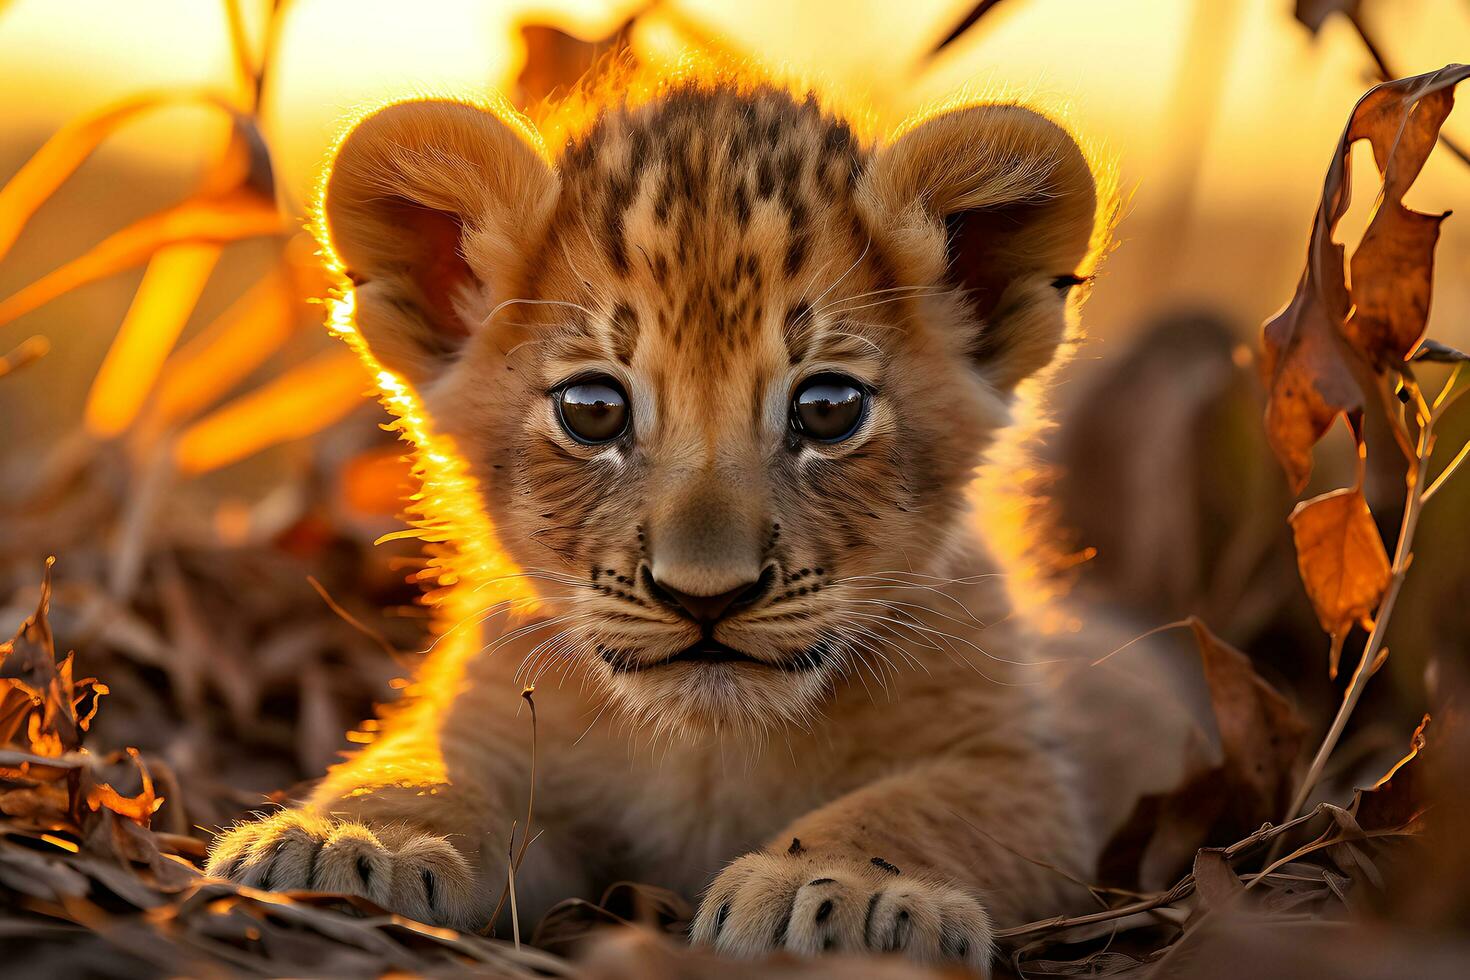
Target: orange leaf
x=1341 y=557
x=243 y=213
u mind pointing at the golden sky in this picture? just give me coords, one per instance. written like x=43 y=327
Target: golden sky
x=1137 y=77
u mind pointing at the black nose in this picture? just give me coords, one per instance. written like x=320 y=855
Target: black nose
x=707 y=610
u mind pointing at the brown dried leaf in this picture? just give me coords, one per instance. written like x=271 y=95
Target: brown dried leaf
x=1260 y=736
x=1260 y=731
x=1307 y=367
x=1393 y=267
x=1315 y=363
x=38 y=693
x=139 y=809
x=1396 y=801
x=1341 y=557
x=1215 y=880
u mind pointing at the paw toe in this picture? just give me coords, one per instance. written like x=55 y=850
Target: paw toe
x=827 y=916
x=432 y=881
x=354 y=862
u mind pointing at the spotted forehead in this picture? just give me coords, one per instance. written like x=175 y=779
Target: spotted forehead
x=710 y=222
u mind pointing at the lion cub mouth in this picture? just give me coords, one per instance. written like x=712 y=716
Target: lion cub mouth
x=712 y=652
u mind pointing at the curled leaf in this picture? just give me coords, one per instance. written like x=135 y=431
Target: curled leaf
x=1393 y=267
x=1321 y=352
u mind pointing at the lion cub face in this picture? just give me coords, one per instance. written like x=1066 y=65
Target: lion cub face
x=720 y=369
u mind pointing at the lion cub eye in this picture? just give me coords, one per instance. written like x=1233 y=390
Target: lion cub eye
x=827 y=407
x=592 y=411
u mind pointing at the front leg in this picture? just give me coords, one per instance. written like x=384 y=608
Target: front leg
x=417 y=823
x=917 y=863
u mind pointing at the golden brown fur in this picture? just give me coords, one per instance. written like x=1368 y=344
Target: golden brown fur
x=869 y=781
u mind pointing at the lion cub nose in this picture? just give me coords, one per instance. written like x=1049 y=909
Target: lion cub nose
x=706 y=610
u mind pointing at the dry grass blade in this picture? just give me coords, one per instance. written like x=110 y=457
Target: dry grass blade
x=161 y=307
x=309 y=396
x=219 y=220
x=60 y=156
x=224 y=353
x=25 y=353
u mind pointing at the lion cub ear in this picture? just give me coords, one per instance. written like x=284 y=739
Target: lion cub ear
x=998 y=202
x=432 y=208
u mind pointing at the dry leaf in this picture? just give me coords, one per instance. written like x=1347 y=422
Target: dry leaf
x=1314 y=362
x=1341 y=557
x=1398 y=799
x=1393 y=267
x=1260 y=731
x=1260 y=736
x=1215 y=880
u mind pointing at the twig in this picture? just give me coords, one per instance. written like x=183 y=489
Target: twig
x=1413 y=504
x=510 y=885
x=1326 y=840
x=395 y=654
x=1446 y=473
x=514 y=863
x=1181 y=889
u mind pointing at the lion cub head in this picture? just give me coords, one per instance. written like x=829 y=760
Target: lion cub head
x=719 y=366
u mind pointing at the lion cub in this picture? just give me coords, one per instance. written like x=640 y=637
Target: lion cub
x=721 y=370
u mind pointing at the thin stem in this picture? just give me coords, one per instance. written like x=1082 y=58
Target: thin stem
x=1449 y=386
x=1182 y=888
x=1413 y=503
x=1445 y=474
x=514 y=859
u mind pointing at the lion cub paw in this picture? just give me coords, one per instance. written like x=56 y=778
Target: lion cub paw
x=810 y=905
x=415 y=874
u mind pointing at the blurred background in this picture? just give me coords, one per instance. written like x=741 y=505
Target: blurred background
x=197 y=452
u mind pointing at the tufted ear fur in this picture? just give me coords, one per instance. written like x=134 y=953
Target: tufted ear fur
x=999 y=202
x=432 y=207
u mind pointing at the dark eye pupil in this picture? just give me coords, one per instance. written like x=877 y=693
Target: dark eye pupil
x=593 y=411
x=828 y=408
